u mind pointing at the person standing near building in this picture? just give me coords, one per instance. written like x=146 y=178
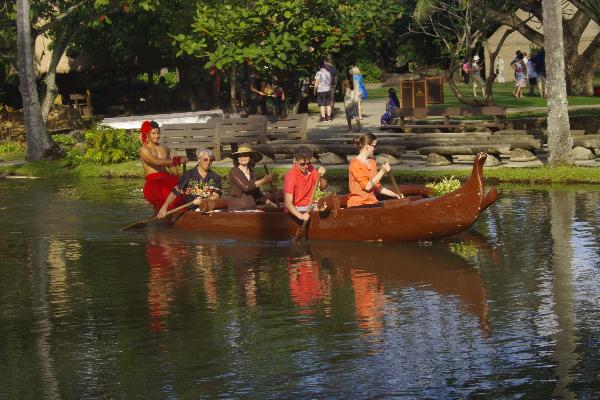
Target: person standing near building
x=539 y=62
x=476 y=77
x=532 y=75
x=500 y=70
x=322 y=89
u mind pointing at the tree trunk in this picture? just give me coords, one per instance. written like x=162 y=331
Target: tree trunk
x=232 y=89
x=454 y=87
x=560 y=141
x=580 y=68
x=39 y=143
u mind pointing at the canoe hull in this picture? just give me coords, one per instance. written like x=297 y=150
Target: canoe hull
x=409 y=219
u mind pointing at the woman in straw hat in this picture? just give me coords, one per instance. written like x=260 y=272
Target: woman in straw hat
x=243 y=187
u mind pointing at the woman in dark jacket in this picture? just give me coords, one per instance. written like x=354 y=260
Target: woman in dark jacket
x=244 y=189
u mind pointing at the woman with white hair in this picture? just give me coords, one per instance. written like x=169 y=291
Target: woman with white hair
x=196 y=184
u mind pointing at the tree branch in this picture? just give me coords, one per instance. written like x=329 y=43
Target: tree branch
x=51 y=24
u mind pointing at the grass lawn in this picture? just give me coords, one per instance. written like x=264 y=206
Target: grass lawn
x=502 y=96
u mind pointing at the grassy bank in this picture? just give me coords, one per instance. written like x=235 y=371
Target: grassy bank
x=132 y=169
x=502 y=96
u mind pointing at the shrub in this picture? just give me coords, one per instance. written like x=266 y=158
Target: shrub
x=104 y=145
x=370 y=71
x=11 y=147
x=64 y=140
x=445 y=185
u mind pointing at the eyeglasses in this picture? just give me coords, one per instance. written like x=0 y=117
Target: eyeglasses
x=304 y=163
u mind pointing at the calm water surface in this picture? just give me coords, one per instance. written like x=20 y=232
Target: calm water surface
x=508 y=310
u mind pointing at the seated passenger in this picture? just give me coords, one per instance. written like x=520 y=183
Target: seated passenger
x=363 y=178
x=299 y=183
x=391 y=103
x=243 y=187
x=197 y=184
x=160 y=169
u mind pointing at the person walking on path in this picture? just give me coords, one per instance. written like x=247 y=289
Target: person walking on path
x=539 y=62
x=476 y=79
x=351 y=100
x=359 y=86
x=322 y=89
x=532 y=75
x=333 y=72
x=520 y=77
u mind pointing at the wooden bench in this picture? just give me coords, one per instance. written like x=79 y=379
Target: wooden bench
x=214 y=135
x=446 y=113
x=293 y=126
x=185 y=139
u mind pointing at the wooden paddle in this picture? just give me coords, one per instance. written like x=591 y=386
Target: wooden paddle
x=273 y=196
x=142 y=224
x=395 y=185
x=299 y=236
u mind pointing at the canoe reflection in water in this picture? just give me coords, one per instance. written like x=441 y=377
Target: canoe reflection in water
x=376 y=275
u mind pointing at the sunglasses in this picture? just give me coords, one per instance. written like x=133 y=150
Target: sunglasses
x=304 y=163
x=372 y=145
x=206 y=159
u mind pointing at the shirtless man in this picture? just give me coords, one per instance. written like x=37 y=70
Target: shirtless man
x=159 y=168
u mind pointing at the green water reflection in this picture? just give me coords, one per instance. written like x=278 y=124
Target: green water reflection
x=508 y=309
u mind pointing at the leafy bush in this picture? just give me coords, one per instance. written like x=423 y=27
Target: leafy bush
x=370 y=71
x=170 y=78
x=446 y=185
x=104 y=145
x=64 y=140
x=11 y=147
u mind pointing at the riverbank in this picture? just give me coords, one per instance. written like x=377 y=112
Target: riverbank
x=405 y=172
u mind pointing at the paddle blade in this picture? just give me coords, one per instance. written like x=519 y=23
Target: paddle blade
x=135 y=225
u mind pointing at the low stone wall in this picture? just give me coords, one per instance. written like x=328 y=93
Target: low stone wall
x=591 y=125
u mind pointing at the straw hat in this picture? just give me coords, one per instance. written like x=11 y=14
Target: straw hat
x=254 y=155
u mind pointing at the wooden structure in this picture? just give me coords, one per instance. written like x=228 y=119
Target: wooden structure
x=418 y=93
x=447 y=114
x=412 y=218
x=221 y=134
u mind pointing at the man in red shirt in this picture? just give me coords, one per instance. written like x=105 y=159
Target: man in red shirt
x=299 y=183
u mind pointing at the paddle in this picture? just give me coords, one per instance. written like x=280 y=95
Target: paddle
x=395 y=185
x=142 y=224
x=299 y=236
x=273 y=198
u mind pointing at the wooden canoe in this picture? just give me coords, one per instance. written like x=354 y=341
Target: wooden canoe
x=410 y=219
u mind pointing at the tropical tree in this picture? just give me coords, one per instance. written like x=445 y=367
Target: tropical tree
x=61 y=21
x=560 y=141
x=461 y=27
x=285 y=38
x=579 y=67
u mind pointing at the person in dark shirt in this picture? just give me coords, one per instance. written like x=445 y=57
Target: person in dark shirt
x=197 y=184
x=244 y=189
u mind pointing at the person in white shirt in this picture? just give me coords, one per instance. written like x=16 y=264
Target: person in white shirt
x=322 y=89
x=532 y=76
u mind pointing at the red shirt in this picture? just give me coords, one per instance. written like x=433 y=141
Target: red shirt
x=300 y=186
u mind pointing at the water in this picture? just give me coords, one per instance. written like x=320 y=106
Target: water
x=507 y=310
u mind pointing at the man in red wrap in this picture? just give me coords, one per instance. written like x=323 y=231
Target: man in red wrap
x=159 y=167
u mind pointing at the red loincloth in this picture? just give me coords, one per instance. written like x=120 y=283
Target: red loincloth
x=158 y=187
